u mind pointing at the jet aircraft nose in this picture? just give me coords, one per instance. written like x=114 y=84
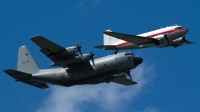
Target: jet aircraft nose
x=137 y=60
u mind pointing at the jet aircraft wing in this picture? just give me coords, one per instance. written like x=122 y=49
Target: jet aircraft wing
x=124 y=81
x=25 y=78
x=131 y=38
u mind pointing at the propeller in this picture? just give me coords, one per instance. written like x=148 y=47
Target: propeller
x=79 y=49
x=129 y=74
x=166 y=37
x=92 y=57
x=116 y=51
x=185 y=40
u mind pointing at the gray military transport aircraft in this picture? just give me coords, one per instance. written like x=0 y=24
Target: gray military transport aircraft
x=76 y=69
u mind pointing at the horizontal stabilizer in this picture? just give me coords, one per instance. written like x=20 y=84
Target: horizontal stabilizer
x=106 y=47
x=25 y=78
x=19 y=76
x=38 y=84
x=124 y=81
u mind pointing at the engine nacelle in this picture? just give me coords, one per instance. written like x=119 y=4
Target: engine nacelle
x=72 y=60
x=160 y=37
x=178 y=41
x=72 y=50
x=86 y=57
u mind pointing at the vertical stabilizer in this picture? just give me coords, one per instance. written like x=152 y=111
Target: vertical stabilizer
x=26 y=62
x=109 y=40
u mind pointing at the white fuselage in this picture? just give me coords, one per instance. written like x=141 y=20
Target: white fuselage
x=173 y=33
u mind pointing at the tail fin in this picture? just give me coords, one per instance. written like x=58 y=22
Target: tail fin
x=109 y=40
x=26 y=62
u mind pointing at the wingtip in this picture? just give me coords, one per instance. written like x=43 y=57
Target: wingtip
x=108 y=30
x=36 y=36
x=23 y=46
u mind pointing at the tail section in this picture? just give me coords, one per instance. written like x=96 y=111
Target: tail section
x=26 y=62
x=109 y=40
x=25 y=78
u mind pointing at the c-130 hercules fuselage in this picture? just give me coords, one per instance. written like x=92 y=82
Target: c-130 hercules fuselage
x=112 y=68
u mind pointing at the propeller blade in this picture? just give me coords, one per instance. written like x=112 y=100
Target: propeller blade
x=92 y=57
x=166 y=37
x=79 y=49
x=116 y=51
x=185 y=40
x=93 y=61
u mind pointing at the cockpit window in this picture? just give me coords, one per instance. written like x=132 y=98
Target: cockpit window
x=178 y=27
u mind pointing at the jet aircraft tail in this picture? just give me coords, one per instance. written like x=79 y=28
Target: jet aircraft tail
x=26 y=62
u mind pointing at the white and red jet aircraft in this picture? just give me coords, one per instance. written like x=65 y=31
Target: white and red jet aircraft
x=164 y=37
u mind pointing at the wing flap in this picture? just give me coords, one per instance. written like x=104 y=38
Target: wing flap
x=124 y=81
x=131 y=38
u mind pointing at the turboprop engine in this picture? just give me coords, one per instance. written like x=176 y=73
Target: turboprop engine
x=74 y=49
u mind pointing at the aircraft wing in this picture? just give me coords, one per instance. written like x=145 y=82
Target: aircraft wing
x=52 y=50
x=131 y=38
x=186 y=43
x=183 y=44
x=56 y=52
x=124 y=81
x=106 y=47
x=25 y=78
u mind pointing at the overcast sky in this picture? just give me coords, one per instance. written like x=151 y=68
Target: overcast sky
x=168 y=79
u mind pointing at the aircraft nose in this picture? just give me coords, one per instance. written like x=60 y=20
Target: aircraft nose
x=186 y=30
x=137 y=60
